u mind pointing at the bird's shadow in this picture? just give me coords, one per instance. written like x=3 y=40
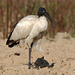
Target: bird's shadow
x=41 y=63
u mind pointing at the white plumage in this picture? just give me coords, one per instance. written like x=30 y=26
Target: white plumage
x=28 y=28
x=31 y=28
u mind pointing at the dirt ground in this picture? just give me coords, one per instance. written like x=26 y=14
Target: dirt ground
x=60 y=50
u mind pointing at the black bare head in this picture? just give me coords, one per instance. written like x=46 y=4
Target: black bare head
x=42 y=11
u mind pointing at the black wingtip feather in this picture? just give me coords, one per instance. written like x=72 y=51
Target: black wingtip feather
x=9 y=41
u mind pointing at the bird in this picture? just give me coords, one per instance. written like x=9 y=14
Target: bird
x=31 y=28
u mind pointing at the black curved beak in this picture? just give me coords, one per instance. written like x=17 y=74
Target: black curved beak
x=48 y=16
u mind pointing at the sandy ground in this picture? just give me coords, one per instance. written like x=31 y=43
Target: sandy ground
x=60 y=50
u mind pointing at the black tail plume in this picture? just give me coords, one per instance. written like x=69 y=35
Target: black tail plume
x=13 y=44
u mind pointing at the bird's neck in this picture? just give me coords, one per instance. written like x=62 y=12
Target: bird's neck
x=43 y=20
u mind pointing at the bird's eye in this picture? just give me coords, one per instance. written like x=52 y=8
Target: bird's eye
x=42 y=10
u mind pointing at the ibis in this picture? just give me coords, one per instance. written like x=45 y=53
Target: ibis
x=30 y=28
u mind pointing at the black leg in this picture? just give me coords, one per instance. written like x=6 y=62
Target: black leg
x=30 y=49
x=29 y=58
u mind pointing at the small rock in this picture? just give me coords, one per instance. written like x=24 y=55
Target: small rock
x=18 y=54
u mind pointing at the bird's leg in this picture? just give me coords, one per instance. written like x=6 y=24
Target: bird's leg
x=29 y=58
x=30 y=49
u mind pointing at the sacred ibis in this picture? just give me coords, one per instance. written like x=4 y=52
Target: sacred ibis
x=31 y=28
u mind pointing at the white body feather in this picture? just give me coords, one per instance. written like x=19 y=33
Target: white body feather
x=28 y=28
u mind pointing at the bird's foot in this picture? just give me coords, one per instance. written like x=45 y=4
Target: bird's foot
x=30 y=66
